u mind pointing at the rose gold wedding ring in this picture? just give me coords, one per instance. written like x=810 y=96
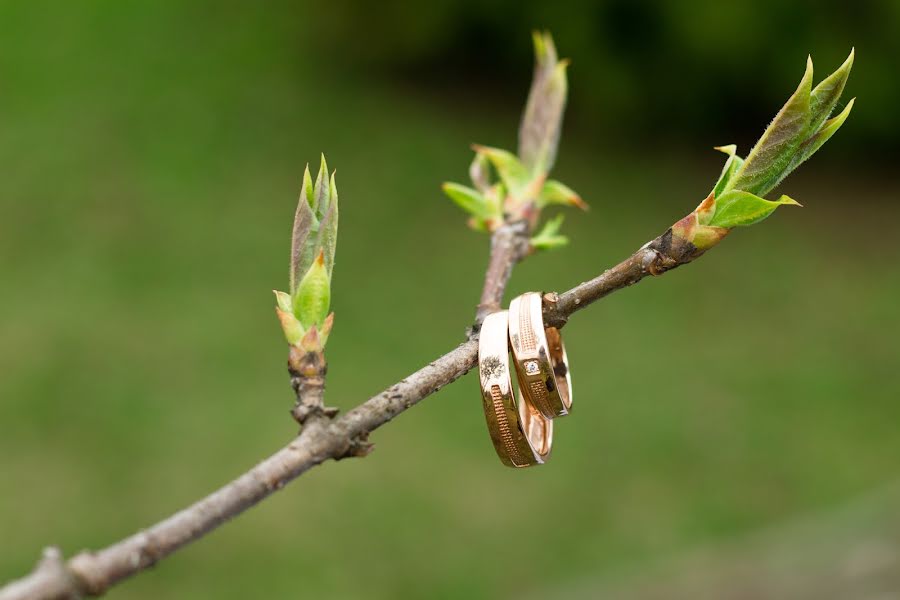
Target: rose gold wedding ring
x=540 y=357
x=522 y=436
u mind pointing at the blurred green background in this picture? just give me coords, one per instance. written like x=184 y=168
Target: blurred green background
x=736 y=427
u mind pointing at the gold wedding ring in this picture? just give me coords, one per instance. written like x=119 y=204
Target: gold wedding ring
x=522 y=436
x=540 y=357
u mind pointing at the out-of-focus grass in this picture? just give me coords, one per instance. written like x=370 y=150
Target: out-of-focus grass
x=149 y=173
x=850 y=552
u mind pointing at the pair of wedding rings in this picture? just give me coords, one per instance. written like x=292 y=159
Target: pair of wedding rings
x=522 y=429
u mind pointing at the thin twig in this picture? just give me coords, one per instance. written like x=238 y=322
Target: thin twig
x=92 y=573
x=509 y=245
x=653 y=258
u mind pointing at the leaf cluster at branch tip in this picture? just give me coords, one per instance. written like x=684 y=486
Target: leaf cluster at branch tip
x=799 y=129
x=304 y=312
x=510 y=187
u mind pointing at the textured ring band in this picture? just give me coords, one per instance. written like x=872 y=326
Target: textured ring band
x=540 y=357
x=522 y=436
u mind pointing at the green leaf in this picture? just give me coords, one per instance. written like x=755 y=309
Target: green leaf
x=283 y=301
x=828 y=129
x=516 y=178
x=825 y=96
x=325 y=331
x=549 y=242
x=479 y=172
x=313 y=295
x=307 y=189
x=293 y=330
x=732 y=164
x=321 y=194
x=468 y=199
x=494 y=197
x=738 y=208
x=302 y=241
x=549 y=238
x=328 y=228
x=799 y=129
x=767 y=163
x=542 y=118
x=556 y=192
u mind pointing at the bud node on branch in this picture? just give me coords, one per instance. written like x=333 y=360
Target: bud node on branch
x=308 y=370
x=359 y=447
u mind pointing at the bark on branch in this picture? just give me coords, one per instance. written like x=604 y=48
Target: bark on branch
x=509 y=245
x=91 y=573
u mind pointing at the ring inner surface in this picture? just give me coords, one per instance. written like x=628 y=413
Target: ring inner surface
x=538 y=428
x=560 y=363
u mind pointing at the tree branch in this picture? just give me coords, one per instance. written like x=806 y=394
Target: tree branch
x=323 y=437
x=308 y=371
x=92 y=573
x=509 y=245
x=653 y=258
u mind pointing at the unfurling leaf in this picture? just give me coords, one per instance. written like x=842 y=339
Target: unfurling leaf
x=732 y=164
x=828 y=129
x=523 y=189
x=825 y=96
x=302 y=239
x=283 y=301
x=308 y=191
x=313 y=245
x=479 y=172
x=549 y=237
x=516 y=178
x=766 y=163
x=798 y=130
x=321 y=193
x=738 y=208
x=556 y=192
x=313 y=295
x=468 y=199
x=293 y=330
x=325 y=330
x=542 y=118
x=328 y=227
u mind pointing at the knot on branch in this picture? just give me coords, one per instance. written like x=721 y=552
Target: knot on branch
x=553 y=317
x=51 y=561
x=359 y=447
x=667 y=252
x=50 y=578
x=308 y=370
